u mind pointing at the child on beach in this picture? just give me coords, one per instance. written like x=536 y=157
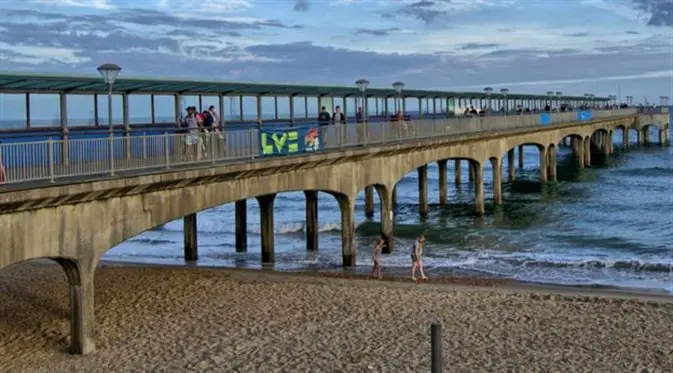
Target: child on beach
x=376 y=267
x=416 y=254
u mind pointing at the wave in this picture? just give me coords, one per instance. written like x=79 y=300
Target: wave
x=213 y=226
x=151 y=241
x=632 y=265
x=644 y=171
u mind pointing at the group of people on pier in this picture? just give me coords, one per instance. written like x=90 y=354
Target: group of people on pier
x=416 y=258
x=196 y=124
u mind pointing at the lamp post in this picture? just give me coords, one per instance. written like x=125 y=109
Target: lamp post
x=591 y=99
x=398 y=86
x=550 y=94
x=362 y=86
x=109 y=72
x=559 y=94
x=629 y=100
x=504 y=92
x=488 y=91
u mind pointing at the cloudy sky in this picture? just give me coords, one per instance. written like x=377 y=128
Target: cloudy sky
x=574 y=46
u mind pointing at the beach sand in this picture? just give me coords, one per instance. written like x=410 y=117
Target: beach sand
x=220 y=320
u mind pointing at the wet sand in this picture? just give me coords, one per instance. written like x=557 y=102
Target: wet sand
x=153 y=319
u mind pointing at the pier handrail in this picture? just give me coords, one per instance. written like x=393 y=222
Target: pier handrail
x=52 y=160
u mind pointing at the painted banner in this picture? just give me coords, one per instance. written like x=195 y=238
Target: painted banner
x=284 y=141
x=545 y=119
x=584 y=115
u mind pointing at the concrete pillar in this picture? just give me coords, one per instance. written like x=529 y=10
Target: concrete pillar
x=470 y=173
x=81 y=294
x=646 y=136
x=394 y=199
x=347 y=208
x=443 y=198
x=478 y=188
x=520 y=156
x=639 y=137
x=551 y=164
x=543 y=165
x=369 y=201
x=387 y=219
x=458 y=171
x=610 y=143
x=496 y=167
x=586 y=153
x=191 y=242
x=241 y=226
x=511 y=172
x=267 y=227
x=662 y=137
x=626 y=139
x=423 y=190
x=312 y=227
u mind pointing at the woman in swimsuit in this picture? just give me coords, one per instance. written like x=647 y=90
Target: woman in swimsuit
x=416 y=254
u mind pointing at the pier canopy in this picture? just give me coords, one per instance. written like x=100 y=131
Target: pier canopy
x=39 y=83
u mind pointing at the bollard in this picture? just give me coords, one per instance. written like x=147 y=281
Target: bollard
x=436 y=343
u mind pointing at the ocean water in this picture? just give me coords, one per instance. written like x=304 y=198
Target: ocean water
x=611 y=225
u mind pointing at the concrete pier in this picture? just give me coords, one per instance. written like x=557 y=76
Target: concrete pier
x=347 y=208
x=191 y=241
x=312 y=227
x=241 y=226
x=640 y=138
x=543 y=165
x=267 y=227
x=586 y=153
x=387 y=220
x=369 y=201
x=456 y=168
x=511 y=171
x=626 y=141
x=443 y=193
x=478 y=188
x=520 y=156
x=470 y=169
x=423 y=190
x=496 y=167
x=646 y=136
x=82 y=315
x=394 y=199
x=551 y=164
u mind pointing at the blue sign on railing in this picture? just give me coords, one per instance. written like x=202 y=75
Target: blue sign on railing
x=584 y=115
x=545 y=119
x=283 y=141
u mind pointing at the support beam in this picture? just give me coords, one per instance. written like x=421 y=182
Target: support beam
x=394 y=199
x=470 y=170
x=478 y=187
x=520 y=156
x=387 y=219
x=551 y=164
x=191 y=238
x=311 y=220
x=369 y=202
x=543 y=165
x=241 y=226
x=82 y=316
x=626 y=141
x=457 y=170
x=496 y=167
x=511 y=171
x=443 y=195
x=585 y=155
x=423 y=190
x=347 y=208
x=267 y=227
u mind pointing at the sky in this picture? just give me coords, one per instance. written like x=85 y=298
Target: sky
x=528 y=46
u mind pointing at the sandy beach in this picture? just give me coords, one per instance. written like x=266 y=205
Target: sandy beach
x=215 y=320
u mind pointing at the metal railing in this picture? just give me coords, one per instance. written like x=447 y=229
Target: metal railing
x=53 y=160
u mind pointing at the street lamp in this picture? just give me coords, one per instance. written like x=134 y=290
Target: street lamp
x=591 y=98
x=550 y=94
x=362 y=86
x=488 y=91
x=629 y=100
x=559 y=94
x=398 y=86
x=504 y=92
x=109 y=72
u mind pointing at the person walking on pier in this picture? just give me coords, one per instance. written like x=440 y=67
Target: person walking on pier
x=376 y=267
x=416 y=254
x=3 y=174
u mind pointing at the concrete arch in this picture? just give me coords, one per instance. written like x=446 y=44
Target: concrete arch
x=414 y=164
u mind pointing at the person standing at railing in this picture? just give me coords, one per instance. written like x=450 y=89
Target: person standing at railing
x=3 y=173
x=193 y=136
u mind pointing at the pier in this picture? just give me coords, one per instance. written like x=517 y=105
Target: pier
x=94 y=188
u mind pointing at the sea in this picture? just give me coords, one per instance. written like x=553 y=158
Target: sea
x=608 y=225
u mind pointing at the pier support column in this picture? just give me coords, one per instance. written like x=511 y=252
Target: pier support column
x=662 y=137
x=423 y=190
x=478 y=187
x=551 y=164
x=241 y=226
x=610 y=143
x=387 y=219
x=443 y=196
x=470 y=173
x=311 y=220
x=586 y=153
x=394 y=199
x=639 y=137
x=496 y=167
x=191 y=240
x=625 y=139
x=369 y=201
x=520 y=156
x=267 y=227
x=81 y=293
x=457 y=172
x=646 y=136
x=511 y=172
x=347 y=208
x=543 y=165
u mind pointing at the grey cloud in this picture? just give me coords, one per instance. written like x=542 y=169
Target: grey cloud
x=423 y=10
x=529 y=53
x=630 y=32
x=302 y=6
x=473 y=46
x=659 y=11
x=578 y=35
x=377 y=32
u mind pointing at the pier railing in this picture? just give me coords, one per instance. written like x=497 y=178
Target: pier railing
x=53 y=160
